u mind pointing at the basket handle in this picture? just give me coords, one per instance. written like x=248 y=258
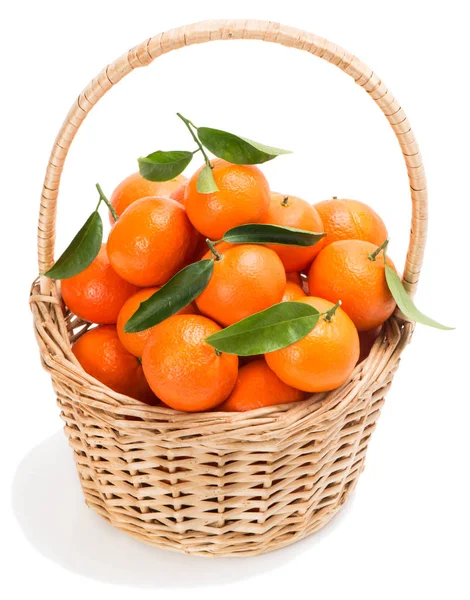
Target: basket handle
x=205 y=31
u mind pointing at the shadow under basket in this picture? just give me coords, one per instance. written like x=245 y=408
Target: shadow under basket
x=219 y=484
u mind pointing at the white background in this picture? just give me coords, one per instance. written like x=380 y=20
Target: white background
x=405 y=532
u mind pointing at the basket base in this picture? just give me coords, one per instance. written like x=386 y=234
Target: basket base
x=252 y=548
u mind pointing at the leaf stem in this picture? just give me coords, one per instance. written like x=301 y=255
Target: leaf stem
x=213 y=249
x=383 y=247
x=328 y=315
x=189 y=125
x=107 y=202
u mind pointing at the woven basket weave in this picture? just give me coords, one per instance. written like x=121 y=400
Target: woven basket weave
x=219 y=484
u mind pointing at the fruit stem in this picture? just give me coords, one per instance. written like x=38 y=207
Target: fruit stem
x=383 y=247
x=189 y=125
x=213 y=249
x=107 y=202
x=218 y=352
x=285 y=202
x=329 y=314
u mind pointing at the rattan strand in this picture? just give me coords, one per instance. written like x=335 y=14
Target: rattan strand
x=218 y=484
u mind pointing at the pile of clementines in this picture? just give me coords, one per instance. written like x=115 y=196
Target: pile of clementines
x=216 y=293
x=162 y=227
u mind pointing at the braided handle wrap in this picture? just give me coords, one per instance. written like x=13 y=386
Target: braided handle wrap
x=205 y=31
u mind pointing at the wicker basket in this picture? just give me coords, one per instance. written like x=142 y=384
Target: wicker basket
x=219 y=484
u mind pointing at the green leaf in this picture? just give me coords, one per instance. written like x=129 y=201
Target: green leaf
x=405 y=303
x=276 y=327
x=261 y=233
x=205 y=182
x=177 y=293
x=83 y=249
x=163 y=166
x=235 y=149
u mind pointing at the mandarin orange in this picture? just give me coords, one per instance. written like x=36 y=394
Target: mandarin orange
x=152 y=240
x=136 y=187
x=350 y=220
x=135 y=342
x=292 y=292
x=345 y=271
x=101 y=355
x=182 y=369
x=322 y=360
x=246 y=279
x=243 y=197
x=258 y=386
x=98 y=292
x=290 y=211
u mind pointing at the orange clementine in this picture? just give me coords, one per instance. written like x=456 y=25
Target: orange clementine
x=258 y=386
x=135 y=342
x=322 y=360
x=367 y=340
x=292 y=292
x=351 y=220
x=344 y=271
x=178 y=194
x=152 y=240
x=136 y=187
x=243 y=197
x=182 y=369
x=98 y=292
x=295 y=277
x=290 y=211
x=245 y=280
x=102 y=356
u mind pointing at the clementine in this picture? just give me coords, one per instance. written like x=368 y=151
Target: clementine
x=345 y=271
x=246 y=279
x=178 y=194
x=350 y=220
x=322 y=360
x=152 y=240
x=102 y=356
x=182 y=369
x=243 y=197
x=135 y=342
x=295 y=277
x=367 y=340
x=290 y=211
x=98 y=292
x=293 y=291
x=136 y=187
x=258 y=386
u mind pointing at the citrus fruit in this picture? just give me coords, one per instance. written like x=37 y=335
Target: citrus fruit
x=258 y=386
x=243 y=197
x=135 y=342
x=323 y=359
x=292 y=292
x=178 y=194
x=102 y=356
x=98 y=292
x=290 y=211
x=351 y=220
x=152 y=240
x=366 y=341
x=344 y=271
x=295 y=277
x=136 y=187
x=246 y=279
x=182 y=369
